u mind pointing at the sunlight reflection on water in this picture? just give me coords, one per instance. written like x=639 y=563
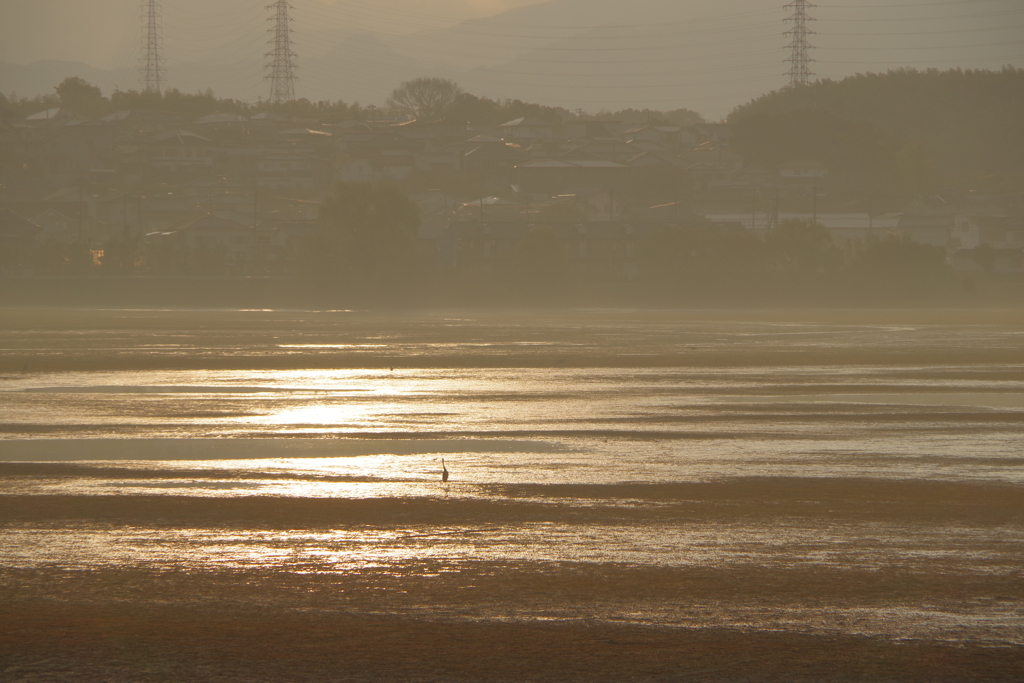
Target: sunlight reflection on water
x=869 y=546
x=510 y=438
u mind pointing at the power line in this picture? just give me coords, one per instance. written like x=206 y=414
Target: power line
x=916 y=5
x=982 y=29
x=599 y=53
x=799 y=60
x=282 y=69
x=151 y=70
x=917 y=19
x=374 y=11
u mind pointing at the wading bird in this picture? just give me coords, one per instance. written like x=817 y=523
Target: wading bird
x=444 y=472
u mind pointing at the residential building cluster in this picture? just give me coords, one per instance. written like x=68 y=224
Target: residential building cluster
x=159 y=193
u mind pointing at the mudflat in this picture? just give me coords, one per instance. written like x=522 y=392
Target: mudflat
x=635 y=496
x=257 y=639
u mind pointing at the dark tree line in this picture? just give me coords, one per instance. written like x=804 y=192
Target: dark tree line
x=797 y=262
x=423 y=98
x=80 y=97
x=365 y=243
x=923 y=130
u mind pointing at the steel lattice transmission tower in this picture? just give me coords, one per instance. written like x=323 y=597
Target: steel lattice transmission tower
x=799 y=60
x=282 y=68
x=151 y=70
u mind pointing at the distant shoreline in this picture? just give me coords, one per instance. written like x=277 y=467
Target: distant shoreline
x=441 y=291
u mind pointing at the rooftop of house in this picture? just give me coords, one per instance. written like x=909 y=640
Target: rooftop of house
x=654 y=159
x=306 y=132
x=572 y=163
x=219 y=117
x=504 y=151
x=15 y=225
x=803 y=163
x=46 y=115
x=209 y=222
x=527 y=121
x=76 y=193
x=181 y=137
x=387 y=140
x=488 y=201
x=710 y=153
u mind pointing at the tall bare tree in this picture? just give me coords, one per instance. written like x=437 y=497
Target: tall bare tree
x=424 y=98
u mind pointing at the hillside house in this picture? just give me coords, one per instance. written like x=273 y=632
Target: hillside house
x=1000 y=232
x=578 y=131
x=383 y=156
x=717 y=133
x=927 y=228
x=567 y=176
x=803 y=169
x=527 y=129
x=654 y=161
x=286 y=171
x=18 y=238
x=494 y=164
x=669 y=136
x=103 y=212
x=610 y=149
x=433 y=134
x=56 y=227
x=711 y=165
x=591 y=249
x=67 y=153
x=216 y=246
x=180 y=151
x=489 y=209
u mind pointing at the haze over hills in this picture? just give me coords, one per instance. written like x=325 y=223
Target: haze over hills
x=588 y=54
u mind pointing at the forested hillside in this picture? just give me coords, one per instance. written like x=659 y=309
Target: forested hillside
x=925 y=130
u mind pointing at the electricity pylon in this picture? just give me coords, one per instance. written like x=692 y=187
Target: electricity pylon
x=282 y=69
x=151 y=70
x=799 y=60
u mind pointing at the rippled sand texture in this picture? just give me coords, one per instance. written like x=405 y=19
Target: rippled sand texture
x=635 y=496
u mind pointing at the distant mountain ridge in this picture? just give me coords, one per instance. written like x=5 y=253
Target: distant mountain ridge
x=39 y=78
x=547 y=53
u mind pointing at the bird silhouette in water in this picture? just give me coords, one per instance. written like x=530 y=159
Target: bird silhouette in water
x=444 y=472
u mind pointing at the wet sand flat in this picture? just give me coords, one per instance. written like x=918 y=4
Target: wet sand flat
x=635 y=496
x=66 y=340
x=162 y=597
x=250 y=641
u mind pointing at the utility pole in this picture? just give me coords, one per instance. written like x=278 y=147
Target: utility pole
x=282 y=69
x=151 y=71
x=256 y=246
x=775 y=216
x=799 y=60
x=81 y=208
x=753 y=208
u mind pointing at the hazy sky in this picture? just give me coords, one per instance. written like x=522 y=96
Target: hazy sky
x=708 y=55
x=98 y=31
